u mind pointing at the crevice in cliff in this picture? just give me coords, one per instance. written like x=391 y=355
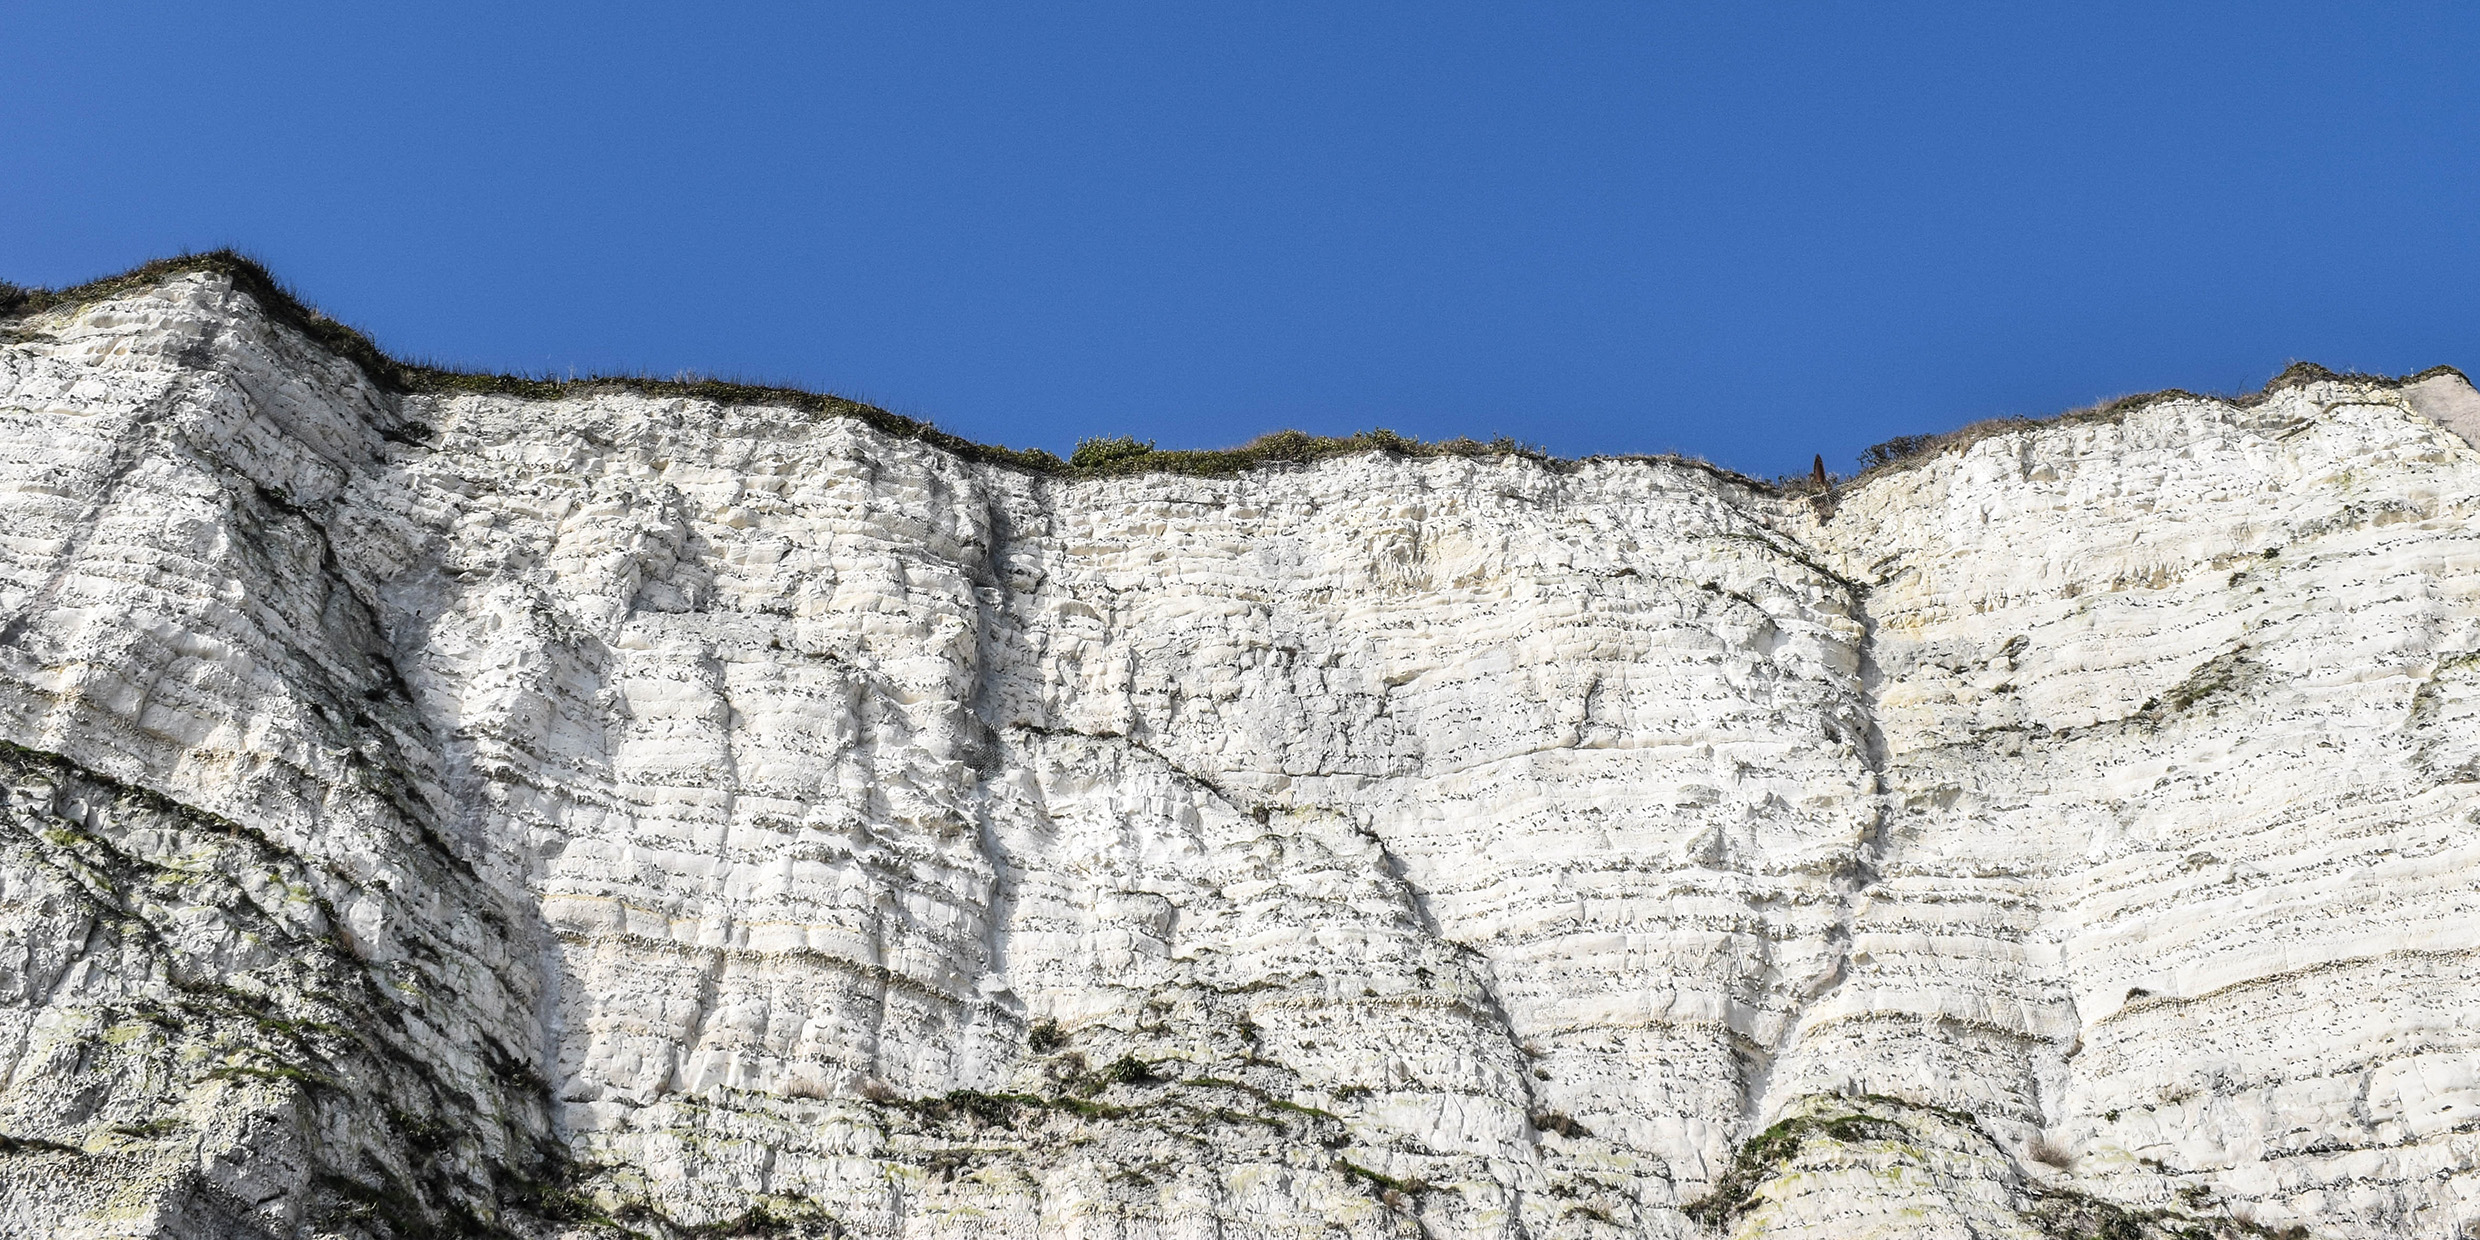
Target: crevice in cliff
x=1858 y=870
x=374 y=748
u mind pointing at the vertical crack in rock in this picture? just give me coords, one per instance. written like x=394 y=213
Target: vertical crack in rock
x=1855 y=876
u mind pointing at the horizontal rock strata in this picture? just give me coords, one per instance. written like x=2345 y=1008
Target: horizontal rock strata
x=620 y=813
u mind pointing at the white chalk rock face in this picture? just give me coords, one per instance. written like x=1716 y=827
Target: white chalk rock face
x=628 y=814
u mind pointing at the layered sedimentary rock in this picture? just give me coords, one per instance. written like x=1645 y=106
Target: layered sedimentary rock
x=630 y=813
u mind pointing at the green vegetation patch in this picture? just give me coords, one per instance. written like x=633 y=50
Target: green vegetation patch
x=2061 y=1214
x=1128 y=1070
x=2222 y=675
x=1770 y=1150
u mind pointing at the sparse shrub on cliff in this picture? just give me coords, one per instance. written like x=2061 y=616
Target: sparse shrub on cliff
x=1094 y=453
x=996 y=1110
x=1895 y=449
x=1561 y=1123
x=1398 y=1194
x=1805 y=483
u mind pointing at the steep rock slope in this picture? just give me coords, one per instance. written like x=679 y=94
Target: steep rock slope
x=463 y=814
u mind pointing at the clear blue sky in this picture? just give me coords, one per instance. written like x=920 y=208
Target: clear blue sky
x=1750 y=232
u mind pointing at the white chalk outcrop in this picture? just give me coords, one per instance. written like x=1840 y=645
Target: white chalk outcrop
x=463 y=814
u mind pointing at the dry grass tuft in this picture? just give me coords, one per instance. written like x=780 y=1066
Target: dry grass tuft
x=2049 y=1153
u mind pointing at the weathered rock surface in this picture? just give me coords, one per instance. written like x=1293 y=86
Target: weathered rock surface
x=475 y=815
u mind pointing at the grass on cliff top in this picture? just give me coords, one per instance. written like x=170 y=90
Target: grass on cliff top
x=1903 y=451
x=1092 y=458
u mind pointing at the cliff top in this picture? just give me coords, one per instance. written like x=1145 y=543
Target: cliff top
x=1093 y=457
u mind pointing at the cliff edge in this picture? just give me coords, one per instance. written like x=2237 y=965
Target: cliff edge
x=460 y=811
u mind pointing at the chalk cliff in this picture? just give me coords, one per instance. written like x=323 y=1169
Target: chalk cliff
x=459 y=813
